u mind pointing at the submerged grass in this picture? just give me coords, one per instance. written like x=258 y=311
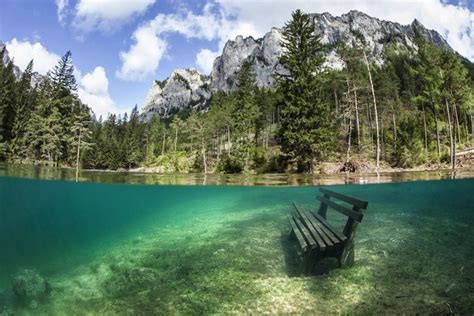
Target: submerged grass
x=408 y=261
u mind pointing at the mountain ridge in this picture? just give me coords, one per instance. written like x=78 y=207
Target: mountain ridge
x=264 y=54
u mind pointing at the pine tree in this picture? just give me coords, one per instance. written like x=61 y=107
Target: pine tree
x=306 y=131
x=81 y=135
x=26 y=101
x=62 y=77
x=245 y=112
x=8 y=99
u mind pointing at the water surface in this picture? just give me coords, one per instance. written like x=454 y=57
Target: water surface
x=148 y=249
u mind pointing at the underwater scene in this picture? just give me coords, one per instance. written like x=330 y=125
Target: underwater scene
x=132 y=249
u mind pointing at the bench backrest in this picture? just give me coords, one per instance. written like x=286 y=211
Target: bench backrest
x=354 y=214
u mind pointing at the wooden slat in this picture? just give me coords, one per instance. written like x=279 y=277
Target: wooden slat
x=339 y=235
x=310 y=226
x=349 y=199
x=329 y=236
x=327 y=240
x=298 y=235
x=352 y=214
x=307 y=236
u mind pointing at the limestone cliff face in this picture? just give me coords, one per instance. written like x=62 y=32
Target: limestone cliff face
x=173 y=95
x=183 y=89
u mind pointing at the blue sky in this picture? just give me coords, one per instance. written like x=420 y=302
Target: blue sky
x=119 y=47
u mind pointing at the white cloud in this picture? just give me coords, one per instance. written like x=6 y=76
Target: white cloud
x=62 y=10
x=94 y=91
x=456 y=21
x=93 y=87
x=24 y=51
x=150 y=45
x=205 y=60
x=96 y=81
x=143 y=57
x=225 y=19
x=107 y=15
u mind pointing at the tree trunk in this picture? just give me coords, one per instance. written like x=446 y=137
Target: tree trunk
x=163 y=144
x=336 y=101
x=357 y=113
x=228 y=139
x=348 y=154
x=451 y=142
x=203 y=151
x=376 y=114
x=175 y=139
x=394 y=131
x=424 y=127
x=438 y=146
x=456 y=123
x=78 y=155
x=369 y=125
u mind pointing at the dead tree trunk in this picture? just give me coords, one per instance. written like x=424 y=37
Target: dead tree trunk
x=438 y=146
x=424 y=127
x=203 y=151
x=163 y=144
x=451 y=142
x=349 y=132
x=376 y=114
x=356 y=113
x=394 y=131
x=78 y=154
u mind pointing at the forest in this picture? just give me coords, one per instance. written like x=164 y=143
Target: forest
x=415 y=108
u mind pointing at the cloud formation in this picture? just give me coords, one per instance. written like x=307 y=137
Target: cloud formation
x=107 y=15
x=205 y=59
x=24 y=51
x=62 y=10
x=212 y=24
x=224 y=19
x=94 y=91
x=93 y=87
x=454 y=22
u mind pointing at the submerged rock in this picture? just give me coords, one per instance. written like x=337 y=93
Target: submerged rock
x=29 y=287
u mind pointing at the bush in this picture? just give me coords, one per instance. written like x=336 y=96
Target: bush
x=230 y=164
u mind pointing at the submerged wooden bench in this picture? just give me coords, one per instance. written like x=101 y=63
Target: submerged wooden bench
x=317 y=239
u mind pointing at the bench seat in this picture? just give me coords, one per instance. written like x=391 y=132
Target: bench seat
x=317 y=238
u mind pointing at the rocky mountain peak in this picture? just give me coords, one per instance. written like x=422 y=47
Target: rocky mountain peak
x=183 y=89
x=264 y=53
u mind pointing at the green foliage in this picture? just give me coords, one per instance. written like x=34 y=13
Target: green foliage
x=230 y=164
x=306 y=131
x=424 y=100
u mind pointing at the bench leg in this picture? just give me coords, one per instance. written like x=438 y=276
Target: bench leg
x=346 y=259
x=310 y=260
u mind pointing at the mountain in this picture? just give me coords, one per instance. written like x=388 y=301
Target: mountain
x=184 y=88
x=7 y=59
x=172 y=95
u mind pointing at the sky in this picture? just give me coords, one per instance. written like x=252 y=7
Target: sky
x=120 y=46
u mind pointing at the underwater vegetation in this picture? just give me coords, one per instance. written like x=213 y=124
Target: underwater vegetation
x=214 y=250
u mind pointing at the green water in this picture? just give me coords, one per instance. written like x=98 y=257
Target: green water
x=147 y=249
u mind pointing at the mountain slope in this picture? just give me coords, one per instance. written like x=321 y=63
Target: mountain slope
x=264 y=54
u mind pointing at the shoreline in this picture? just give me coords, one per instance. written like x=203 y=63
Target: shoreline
x=211 y=179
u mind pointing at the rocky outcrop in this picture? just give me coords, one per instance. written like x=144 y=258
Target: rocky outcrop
x=183 y=89
x=173 y=95
x=265 y=52
x=7 y=59
x=30 y=288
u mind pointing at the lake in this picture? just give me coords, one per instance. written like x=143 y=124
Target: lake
x=140 y=248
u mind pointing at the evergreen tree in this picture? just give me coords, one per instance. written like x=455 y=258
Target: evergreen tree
x=245 y=112
x=8 y=100
x=306 y=132
x=26 y=101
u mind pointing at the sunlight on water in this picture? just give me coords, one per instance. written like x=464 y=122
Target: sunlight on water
x=110 y=243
